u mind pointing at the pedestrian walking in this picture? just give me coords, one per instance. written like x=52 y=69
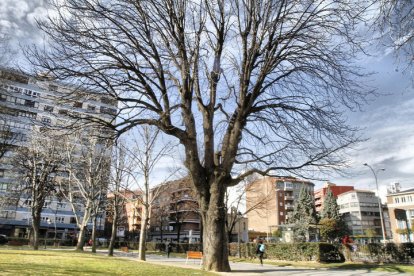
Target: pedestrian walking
x=168 y=249
x=260 y=250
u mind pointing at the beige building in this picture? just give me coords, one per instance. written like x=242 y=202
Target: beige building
x=271 y=199
x=401 y=211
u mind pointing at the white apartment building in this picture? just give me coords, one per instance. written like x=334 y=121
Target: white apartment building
x=361 y=212
x=27 y=103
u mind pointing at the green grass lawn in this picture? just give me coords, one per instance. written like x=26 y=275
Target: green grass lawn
x=351 y=266
x=29 y=262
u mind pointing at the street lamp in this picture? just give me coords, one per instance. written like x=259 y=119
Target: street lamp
x=379 y=199
x=239 y=217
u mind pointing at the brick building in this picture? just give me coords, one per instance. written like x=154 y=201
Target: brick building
x=321 y=193
x=271 y=199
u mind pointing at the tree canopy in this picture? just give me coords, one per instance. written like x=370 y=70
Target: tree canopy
x=245 y=86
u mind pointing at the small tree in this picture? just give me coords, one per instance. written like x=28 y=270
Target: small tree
x=303 y=215
x=332 y=224
x=88 y=166
x=148 y=150
x=117 y=187
x=38 y=164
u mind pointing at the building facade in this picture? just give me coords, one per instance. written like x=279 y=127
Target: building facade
x=401 y=211
x=360 y=210
x=271 y=199
x=27 y=105
x=321 y=193
x=175 y=213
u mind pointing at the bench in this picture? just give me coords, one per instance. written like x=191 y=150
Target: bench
x=194 y=255
x=124 y=249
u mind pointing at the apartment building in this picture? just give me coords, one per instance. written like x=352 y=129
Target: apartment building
x=130 y=214
x=271 y=199
x=28 y=104
x=360 y=209
x=401 y=211
x=320 y=194
x=175 y=212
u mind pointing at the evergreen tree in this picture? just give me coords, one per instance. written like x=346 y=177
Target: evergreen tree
x=330 y=207
x=332 y=225
x=303 y=215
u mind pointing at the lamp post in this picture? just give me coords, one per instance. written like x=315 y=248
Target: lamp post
x=48 y=222
x=379 y=200
x=239 y=217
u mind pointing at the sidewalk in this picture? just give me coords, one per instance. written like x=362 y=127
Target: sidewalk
x=247 y=269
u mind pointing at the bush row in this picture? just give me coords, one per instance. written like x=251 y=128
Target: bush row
x=379 y=253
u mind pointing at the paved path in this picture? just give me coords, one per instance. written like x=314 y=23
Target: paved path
x=247 y=269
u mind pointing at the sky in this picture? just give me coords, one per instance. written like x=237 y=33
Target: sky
x=386 y=121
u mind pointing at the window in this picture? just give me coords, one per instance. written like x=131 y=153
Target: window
x=281 y=203
x=60 y=220
x=281 y=213
x=3 y=187
x=53 y=88
x=110 y=111
x=46 y=204
x=46 y=120
x=60 y=205
x=396 y=200
x=77 y=104
x=48 y=108
x=72 y=220
x=91 y=107
x=63 y=112
x=27 y=202
x=402 y=199
x=1 y=172
x=30 y=103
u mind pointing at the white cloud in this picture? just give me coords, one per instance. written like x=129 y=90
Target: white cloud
x=38 y=13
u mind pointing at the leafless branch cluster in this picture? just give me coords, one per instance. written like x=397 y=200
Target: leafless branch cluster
x=262 y=83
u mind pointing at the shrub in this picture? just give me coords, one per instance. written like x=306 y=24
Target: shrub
x=313 y=251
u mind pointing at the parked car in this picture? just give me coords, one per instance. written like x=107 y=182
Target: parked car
x=3 y=239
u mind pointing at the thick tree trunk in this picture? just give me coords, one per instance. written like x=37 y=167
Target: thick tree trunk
x=36 y=217
x=35 y=227
x=215 y=251
x=143 y=234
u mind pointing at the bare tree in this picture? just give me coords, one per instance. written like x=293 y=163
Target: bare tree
x=145 y=155
x=87 y=160
x=236 y=82
x=39 y=164
x=395 y=21
x=118 y=187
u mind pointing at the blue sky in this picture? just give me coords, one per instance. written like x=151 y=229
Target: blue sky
x=387 y=120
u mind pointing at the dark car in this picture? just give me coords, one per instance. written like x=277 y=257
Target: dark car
x=3 y=239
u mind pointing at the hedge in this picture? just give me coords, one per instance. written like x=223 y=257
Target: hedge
x=323 y=252
x=380 y=253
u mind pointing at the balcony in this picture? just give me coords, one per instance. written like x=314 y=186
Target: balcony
x=289 y=197
x=289 y=207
